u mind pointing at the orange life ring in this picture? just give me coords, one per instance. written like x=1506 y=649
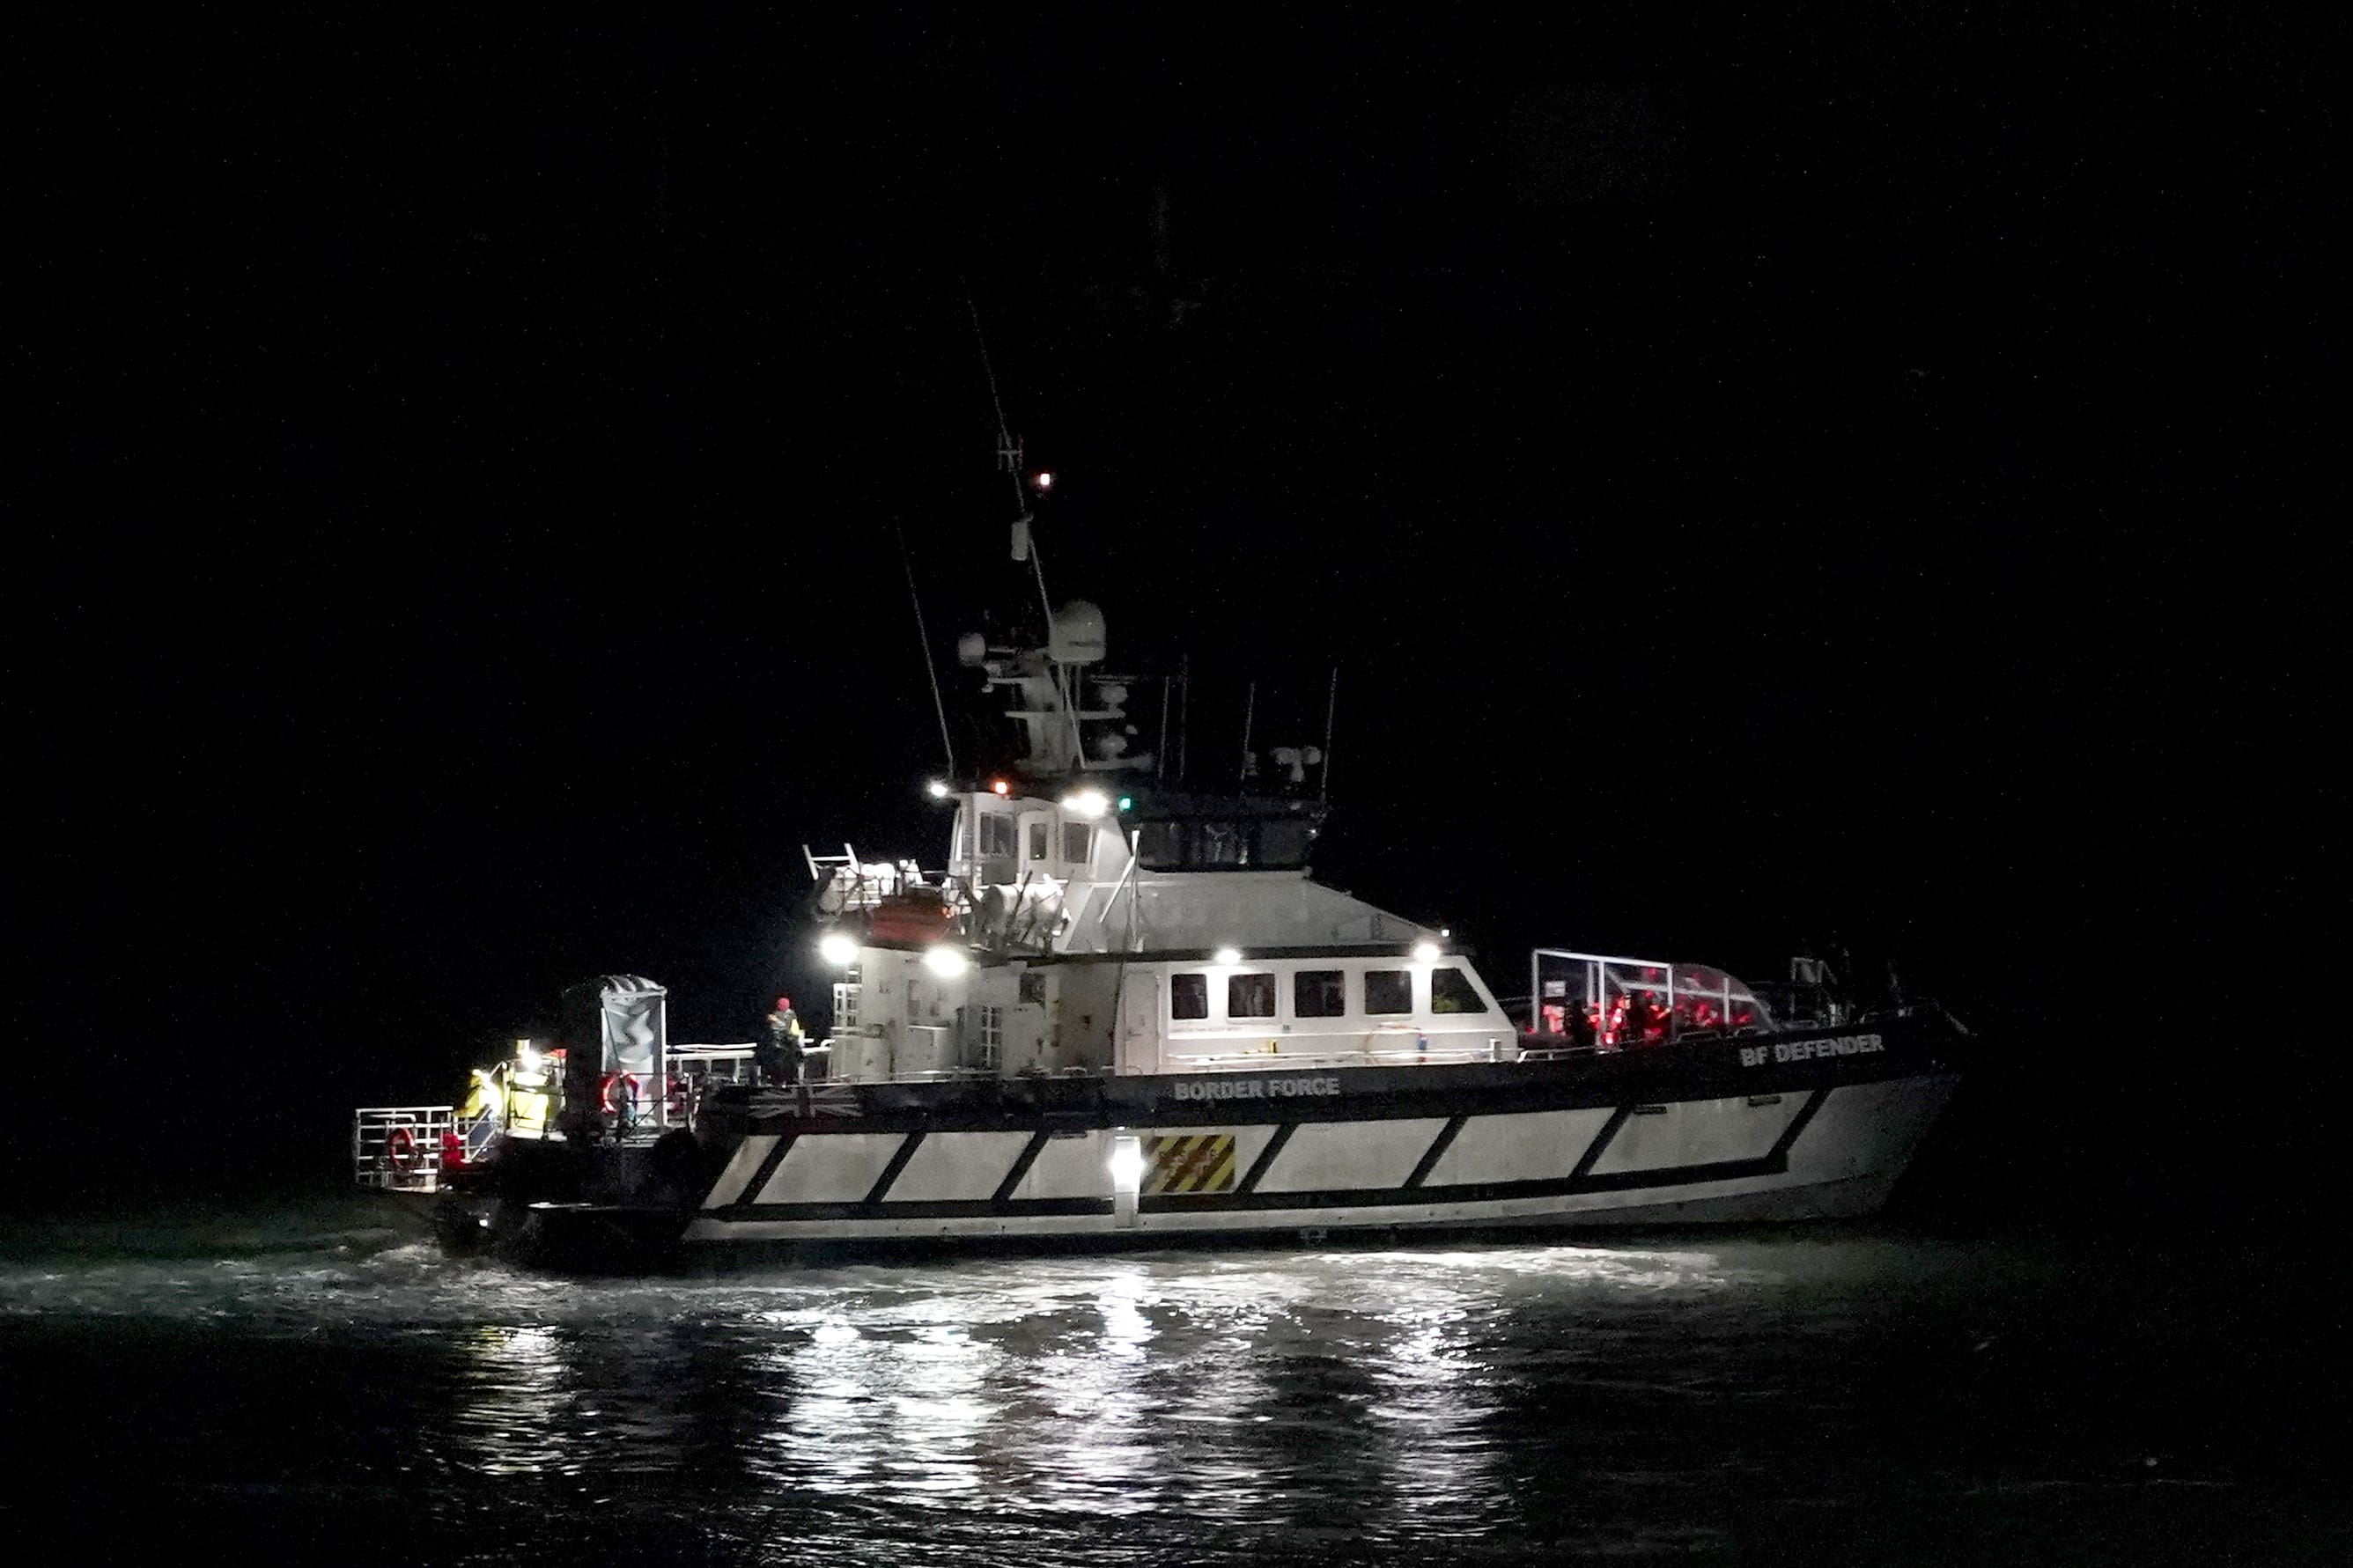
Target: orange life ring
x=627 y=1083
x=400 y=1149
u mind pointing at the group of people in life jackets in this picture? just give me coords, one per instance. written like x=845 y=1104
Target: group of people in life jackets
x=1637 y=1018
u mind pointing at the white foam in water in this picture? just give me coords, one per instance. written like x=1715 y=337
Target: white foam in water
x=1512 y=1400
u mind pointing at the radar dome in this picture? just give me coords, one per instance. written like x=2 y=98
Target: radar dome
x=1078 y=634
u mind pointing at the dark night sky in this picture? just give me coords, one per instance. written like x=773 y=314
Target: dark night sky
x=1763 y=482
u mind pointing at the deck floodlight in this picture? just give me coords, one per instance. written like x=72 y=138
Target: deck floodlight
x=1089 y=803
x=1226 y=955
x=837 y=948
x=1426 y=952
x=945 y=961
x=937 y=789
x=1126 y=1162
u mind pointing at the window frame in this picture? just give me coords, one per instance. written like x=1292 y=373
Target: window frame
x=1273 y=994
x=1175 y=980
x=1337 y=993
x=1365 y=991
x=1469 y=990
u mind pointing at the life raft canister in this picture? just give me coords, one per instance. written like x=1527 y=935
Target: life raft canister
x=400 y=1149
x=911 y=918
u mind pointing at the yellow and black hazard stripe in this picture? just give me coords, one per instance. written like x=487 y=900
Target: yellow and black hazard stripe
x=1186 y=1163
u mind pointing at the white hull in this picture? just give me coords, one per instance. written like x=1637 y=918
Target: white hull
x=1836 y=1154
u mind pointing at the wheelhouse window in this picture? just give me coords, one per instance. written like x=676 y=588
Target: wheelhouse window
x=1389 y=991
x=1222 y=844
x=1319 y=993
x=1076 y=840
x=1250 y=996
x=1282 y=846
x=1037 y=841
x=995 y=835
x=1450 y=991
x=1160 y=846
x=1188 y=996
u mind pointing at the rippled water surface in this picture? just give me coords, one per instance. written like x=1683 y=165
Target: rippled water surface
x=1857 y=1396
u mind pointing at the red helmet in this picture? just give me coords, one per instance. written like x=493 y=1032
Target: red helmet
x=784 y=1004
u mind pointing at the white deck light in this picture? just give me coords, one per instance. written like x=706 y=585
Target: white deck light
x=837 y=948
x=1126 y=1164
x=1088 y=802
x=936 y=789
x=945 y=961
x=1226 y=955
x=1426 y=952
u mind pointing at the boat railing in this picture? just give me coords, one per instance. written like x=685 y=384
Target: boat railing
x=397 y=1148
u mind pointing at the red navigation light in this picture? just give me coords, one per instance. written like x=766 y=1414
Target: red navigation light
x=998 y=787
x=1044 y=480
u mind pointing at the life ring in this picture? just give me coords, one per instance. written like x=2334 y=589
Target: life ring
x=627 y=1084
x=400 y=1149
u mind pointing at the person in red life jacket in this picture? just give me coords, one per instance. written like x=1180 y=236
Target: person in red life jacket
x=1641 y=1022
x=453 y=1151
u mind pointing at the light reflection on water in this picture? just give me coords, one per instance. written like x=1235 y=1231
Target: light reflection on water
x=1250 y=1403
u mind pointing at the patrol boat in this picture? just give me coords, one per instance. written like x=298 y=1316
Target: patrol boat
x=1122 y=1012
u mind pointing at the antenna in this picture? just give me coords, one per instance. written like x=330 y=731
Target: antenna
x=1025 y=538
x=1160 y=758
x=924 y=636
x=1331 y=710
x=1249 y=713
x=1183 y=710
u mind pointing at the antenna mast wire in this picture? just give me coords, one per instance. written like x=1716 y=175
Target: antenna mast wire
x=931 y=666
x=1331 y=711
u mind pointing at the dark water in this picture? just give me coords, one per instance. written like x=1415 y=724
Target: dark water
x=322 y=1391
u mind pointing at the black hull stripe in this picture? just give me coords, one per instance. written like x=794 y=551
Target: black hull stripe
x=881 y=1187
x=1602 y=1140
x=748 y=1199
x=1432 y=1091
x=1013 y=1178
x=1438 y=1146
x=945 y=1208
x=1266 y=1156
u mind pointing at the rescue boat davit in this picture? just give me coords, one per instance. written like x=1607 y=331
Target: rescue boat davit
x=1121 y=1011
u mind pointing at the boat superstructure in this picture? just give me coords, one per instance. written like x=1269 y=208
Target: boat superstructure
x=1120 y=1009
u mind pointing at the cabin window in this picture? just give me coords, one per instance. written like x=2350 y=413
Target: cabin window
x=992 y=1034
x=1037 y=841
x=1075 y=836
x=1283 y=843
x=1189 y=996
x=1319 y=993
x=845 y=1004
x=1389 y=991
x=1250 y=996
x=1033 y=985
x=995 y=835
x=1450 y=991
x=1222 y=844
